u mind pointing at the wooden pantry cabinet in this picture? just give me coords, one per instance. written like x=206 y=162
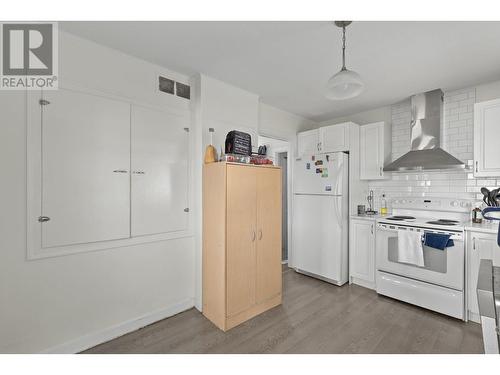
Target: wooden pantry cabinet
x=241 y=242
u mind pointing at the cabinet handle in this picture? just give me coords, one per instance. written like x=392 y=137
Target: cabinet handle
x=138 y=172
x=320 y=146
x=474 y=243
x=260 y=234
x=477 y=169
x=380 y=171
x=253 y=235
x=372 y=228
x=120 y=171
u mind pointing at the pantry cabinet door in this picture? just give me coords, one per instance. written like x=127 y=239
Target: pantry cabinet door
x=486 y=139
x=371 y=151
x=268 y=233
x=241 y=237
x=362 y=250
x=160 y=171
x=480 y=246
x=85 y=168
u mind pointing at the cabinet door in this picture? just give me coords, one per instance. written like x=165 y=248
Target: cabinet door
x=268 y=233
x=159 y=172
x=334 y=138
x=308 y=142
x=241 y=237
x=486 y=139
x=372 y=151
x=85 y=168
x=362 y=250
x=481 y=246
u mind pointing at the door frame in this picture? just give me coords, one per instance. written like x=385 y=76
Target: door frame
x=288 y=148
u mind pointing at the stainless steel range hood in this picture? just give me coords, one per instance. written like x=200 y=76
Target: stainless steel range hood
x=426 y=153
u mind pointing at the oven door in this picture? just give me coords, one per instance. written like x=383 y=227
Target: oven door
x=441 y=267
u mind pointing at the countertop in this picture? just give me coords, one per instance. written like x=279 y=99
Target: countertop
x=370 y=217
x=485 y=227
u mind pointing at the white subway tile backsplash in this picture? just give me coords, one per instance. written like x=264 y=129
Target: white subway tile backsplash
x=457 y=139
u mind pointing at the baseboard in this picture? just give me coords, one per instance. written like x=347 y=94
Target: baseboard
x=363 y=283
x=96 y=338
x=473 y=317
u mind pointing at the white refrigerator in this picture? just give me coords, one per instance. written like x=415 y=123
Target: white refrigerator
x=320 y=216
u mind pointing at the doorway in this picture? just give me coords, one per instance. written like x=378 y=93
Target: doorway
x=279 y=151
x=283 y=163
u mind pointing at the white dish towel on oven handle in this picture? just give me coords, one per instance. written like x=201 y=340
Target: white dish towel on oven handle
x=410 y=249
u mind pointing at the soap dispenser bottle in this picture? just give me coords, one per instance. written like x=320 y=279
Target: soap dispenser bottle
x=383 y=205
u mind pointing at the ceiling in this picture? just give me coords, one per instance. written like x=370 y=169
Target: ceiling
x=288 y=63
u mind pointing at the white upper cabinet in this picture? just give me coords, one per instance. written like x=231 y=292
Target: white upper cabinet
x=85 y=154
x=308 y=142
x=334 y=138
x=486 y=139
x=160 y=171
x=373 y=151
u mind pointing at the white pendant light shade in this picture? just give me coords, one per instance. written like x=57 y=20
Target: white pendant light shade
x=345 y=84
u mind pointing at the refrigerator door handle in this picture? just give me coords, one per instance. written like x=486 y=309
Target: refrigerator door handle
x=338 y=214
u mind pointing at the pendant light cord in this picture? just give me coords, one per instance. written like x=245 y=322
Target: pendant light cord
x=343 y=48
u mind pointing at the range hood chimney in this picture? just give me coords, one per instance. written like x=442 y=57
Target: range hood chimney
x=426 y=153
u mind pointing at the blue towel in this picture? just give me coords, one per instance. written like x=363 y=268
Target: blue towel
x=438 y=240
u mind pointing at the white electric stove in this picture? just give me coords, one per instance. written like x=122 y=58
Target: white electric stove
x=439 y=284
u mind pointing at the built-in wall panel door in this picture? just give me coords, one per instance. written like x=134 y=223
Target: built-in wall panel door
x=160 y=171
x=85 y=168
x=241 y=237
x=269 y=211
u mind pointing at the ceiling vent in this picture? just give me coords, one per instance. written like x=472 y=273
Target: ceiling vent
x=172 y=87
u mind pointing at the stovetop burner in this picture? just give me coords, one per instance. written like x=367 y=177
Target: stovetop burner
x=401 y=218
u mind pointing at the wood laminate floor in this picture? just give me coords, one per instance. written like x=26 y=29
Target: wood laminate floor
x=315 y=317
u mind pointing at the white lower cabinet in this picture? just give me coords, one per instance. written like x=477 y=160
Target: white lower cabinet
x=479 y=246
x=362 y=252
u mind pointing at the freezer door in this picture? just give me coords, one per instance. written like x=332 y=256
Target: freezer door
x=321 y=174
x=317 y=235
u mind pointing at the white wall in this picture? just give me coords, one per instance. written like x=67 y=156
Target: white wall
x=225 y=107
x=365 y=117
x=67 y=303
x=280 y=124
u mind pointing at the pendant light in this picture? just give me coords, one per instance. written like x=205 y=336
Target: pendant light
x=345 y=84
